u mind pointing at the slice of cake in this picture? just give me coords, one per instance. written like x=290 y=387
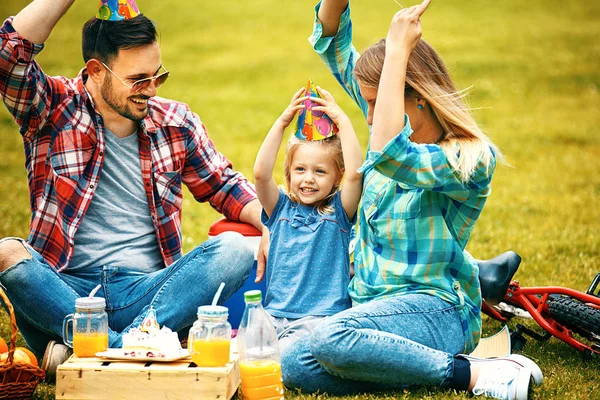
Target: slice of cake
x=162 y=343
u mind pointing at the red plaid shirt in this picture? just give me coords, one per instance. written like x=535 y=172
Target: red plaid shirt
x=64 y=144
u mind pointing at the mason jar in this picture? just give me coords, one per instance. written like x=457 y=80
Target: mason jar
x=210 y=336
x=89 y=334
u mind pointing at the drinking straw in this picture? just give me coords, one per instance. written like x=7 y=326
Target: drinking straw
x=94 y=291
x=214 y=303
x=89 y=322
x=218 y=294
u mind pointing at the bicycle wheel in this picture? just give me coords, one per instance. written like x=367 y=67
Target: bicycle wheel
x=575 y=314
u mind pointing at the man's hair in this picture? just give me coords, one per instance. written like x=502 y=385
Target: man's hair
x=102 y=40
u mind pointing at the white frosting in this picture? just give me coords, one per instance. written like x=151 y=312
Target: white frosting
x=163 y=341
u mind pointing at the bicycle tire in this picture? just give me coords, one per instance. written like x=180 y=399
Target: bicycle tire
x=575 y=314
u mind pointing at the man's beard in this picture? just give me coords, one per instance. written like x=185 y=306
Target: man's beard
x=123 y=110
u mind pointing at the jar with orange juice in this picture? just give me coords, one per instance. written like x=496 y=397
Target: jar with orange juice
x=260 y=367
x=210 y=337
x=89 y=334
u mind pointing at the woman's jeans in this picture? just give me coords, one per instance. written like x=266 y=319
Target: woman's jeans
x=43 y=297
x=290 y=330
x=385 y=344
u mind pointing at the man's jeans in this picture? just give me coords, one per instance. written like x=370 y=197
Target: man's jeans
x=42 y=297
x=385 y=344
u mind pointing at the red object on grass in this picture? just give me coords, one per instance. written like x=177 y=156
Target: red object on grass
x=529 y=298
x=225 y=225
x=535 y=301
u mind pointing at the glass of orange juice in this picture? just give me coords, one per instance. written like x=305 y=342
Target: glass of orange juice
x=210 y=337
x=90 y=327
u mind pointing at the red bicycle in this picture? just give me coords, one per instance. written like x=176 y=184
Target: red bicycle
x=567 y=314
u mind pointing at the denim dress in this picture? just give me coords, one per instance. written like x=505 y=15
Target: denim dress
x=308 y=269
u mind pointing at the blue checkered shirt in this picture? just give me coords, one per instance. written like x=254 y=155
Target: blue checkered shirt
x=416 y=214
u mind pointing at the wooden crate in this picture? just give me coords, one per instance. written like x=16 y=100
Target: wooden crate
x=96 y=378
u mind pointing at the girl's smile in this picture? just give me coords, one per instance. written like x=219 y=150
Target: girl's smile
x=313 y=174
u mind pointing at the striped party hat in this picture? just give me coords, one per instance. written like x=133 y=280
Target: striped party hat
x=117 y=10
x=314 y=125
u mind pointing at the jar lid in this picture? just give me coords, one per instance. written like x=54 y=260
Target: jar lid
x=253 y=295
x=213 y=311
x=95 y=303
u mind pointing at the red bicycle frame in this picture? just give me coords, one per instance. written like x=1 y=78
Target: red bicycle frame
x=534 y=300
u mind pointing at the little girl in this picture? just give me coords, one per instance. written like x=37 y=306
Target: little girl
x=308 y=266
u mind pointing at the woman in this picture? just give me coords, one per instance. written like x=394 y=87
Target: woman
x=428 y=171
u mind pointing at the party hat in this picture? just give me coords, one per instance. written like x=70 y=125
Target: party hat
x=314 y=125
x=117 y=10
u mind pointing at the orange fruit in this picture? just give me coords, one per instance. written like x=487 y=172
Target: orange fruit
x=3 y=346
x=22 y=355
x=32 y=359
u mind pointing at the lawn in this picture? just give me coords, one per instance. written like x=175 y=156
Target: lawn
x=534 y=69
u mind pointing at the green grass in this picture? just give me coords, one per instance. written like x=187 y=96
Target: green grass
x=534 y=71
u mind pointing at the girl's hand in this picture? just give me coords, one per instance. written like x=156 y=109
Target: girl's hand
x=290 y=112
x=328 y=105
x=405 y=29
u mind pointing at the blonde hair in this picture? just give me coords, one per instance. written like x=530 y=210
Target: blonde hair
x=333 y=146
x=463 y=142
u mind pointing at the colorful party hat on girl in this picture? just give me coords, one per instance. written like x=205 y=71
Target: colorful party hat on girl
x=117 y=10
x=314 y=125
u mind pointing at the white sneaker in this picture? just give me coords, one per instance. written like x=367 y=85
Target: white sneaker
x=502 y=380
x=522 y=361
x=55 y=354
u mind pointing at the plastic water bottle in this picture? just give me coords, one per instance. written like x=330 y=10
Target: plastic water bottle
x=260 y=367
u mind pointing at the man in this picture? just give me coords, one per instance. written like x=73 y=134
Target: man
x=106 y=160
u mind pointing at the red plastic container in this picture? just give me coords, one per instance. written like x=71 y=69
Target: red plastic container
x=252 y=236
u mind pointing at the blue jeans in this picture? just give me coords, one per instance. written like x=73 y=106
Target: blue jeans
x=42 y=297
x=385 y=344
x=290 y=330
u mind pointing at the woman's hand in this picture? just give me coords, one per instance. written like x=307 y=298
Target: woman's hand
x=328 y=105
x=405 y=29
x=289 y=113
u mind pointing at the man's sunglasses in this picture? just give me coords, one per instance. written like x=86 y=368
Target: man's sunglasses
x=142 y=84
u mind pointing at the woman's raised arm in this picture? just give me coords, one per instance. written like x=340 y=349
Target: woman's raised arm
x=329 y=15
x=402 y=37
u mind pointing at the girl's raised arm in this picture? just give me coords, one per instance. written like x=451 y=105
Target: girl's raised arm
x=266 y=187
x=352 y=187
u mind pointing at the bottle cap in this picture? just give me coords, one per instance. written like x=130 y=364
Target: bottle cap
x=213 y=311
x=252 y=295
x=93 y=303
